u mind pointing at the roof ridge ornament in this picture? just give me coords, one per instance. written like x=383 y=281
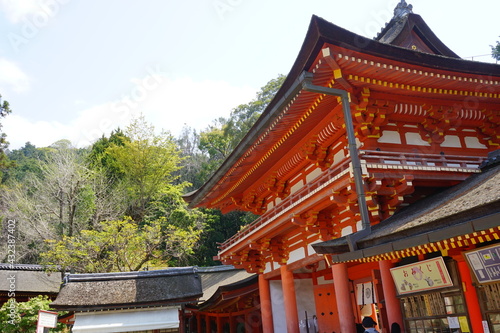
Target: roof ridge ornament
x=402 y=9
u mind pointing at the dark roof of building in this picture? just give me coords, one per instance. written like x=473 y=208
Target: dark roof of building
x=410 y=31
x=32 y=281
x=322 y=32
x=21 y=267
x=227 y=293
x=104 y=291
x=470 y=206
x=212 y=278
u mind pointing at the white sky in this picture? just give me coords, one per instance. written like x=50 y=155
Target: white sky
x=77 y=69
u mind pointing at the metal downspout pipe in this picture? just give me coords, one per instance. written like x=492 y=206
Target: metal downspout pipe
x=353 y=151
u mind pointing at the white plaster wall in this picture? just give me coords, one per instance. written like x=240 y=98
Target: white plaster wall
x=310 y=249
x=473 y=142
x=297 y=187
x=305 y=302
x=322 y=280
x=415 y=139
x=390 y=137
x=313 y=174
x=296 y=255
x=268 y=268
x=278 y=306
x=346 y=231
x=339 y=156
x=452 y=141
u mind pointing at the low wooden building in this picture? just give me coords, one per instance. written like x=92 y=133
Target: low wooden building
x=157 y=301
x=24 y=281
x=361 y=132
x=146 y=301
x=231 y=307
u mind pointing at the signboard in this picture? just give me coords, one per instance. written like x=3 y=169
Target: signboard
x=421 y=276
x=46 y=319
x=485 y=263
x=365 y=293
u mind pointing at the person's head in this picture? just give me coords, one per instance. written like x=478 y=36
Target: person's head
x=368 y=322
x=395 y=328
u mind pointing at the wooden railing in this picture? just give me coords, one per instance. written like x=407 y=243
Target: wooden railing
x=290 y=202
x=454 y=161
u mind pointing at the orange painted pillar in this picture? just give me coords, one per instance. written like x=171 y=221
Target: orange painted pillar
x=291 y=314
x=392 y=305
x=219 y=324
x=343 y=297
x=198 y=322
x=473 y=308
x=266 y=310
x=207 y=324
x=182 y=323
x=232 y=324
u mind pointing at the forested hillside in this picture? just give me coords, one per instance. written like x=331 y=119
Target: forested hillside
x=117 y=205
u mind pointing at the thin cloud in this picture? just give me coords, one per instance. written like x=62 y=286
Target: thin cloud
x=15 y=10
x=169 y=106
x=13 y=77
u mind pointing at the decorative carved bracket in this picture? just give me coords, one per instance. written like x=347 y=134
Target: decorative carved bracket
x=490 y=128
x=279 y=250
x=438 y=121
x=278 y=187
x=385 y=195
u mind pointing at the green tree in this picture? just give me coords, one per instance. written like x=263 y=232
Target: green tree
x=122 y=245
x=60 y=197
x=25 y=162
x=495 y=51
x=99 y=158
x=216 y=145
x=4 y=161
x=245 y=115
x=147 y=161
x=219 y=228
x=192 y=158
x=23 y=316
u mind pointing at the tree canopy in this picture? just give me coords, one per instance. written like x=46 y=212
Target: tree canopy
x=495 y=51
x=4 y=161
x=155 y=229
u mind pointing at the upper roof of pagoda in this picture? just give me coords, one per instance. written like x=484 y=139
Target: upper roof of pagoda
x=364 y=63
x=410 y=31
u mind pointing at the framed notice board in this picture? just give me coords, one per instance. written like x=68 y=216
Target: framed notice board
x=485 y=263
